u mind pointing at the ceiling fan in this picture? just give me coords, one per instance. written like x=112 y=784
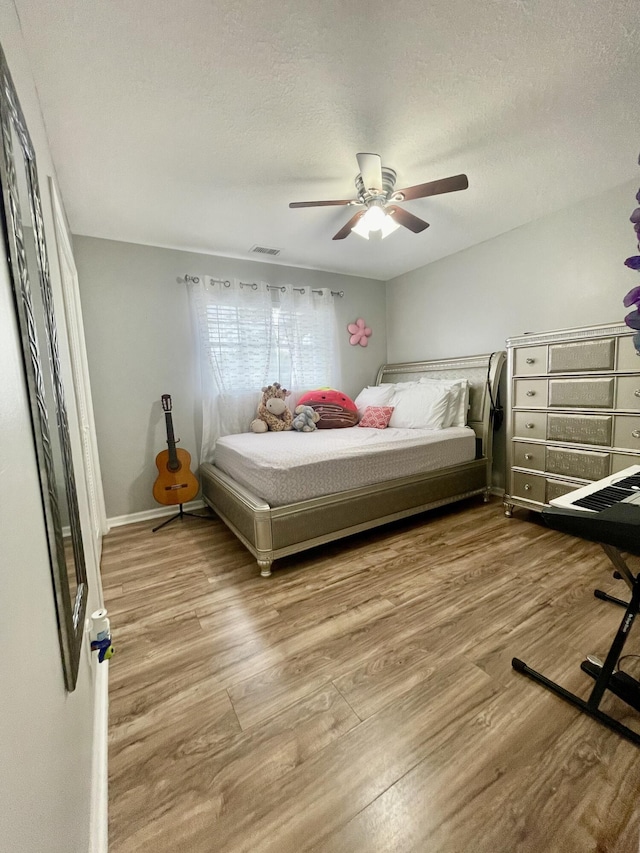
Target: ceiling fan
x=375 y=186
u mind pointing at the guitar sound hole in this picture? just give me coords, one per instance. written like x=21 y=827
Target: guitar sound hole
x=173 y=466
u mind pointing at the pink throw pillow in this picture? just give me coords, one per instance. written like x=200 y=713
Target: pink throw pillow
x=377 y=417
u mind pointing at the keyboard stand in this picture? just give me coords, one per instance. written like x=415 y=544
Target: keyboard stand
x=605 y=677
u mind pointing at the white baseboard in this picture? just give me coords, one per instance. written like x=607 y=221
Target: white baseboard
x=149 y=514
x=99 y=832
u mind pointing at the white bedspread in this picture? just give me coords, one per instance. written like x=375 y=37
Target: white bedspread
x=286 y=467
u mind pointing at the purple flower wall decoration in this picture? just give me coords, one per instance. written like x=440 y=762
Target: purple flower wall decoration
x=633 y=296
x=359 y=332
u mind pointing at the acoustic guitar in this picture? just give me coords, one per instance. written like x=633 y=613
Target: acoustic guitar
x=175 y=484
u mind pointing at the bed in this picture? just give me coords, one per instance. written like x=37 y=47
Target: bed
x=291 y=519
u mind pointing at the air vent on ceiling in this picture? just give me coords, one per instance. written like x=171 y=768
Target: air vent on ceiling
x=264 y=250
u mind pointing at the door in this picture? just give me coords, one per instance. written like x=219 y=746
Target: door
x=80 y=372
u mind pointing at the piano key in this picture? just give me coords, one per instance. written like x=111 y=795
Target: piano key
x=604 y=498
x=623 y=486
x=630 y=482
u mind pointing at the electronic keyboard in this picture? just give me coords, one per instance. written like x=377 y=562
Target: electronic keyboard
x=607 y=512
x=623 y=487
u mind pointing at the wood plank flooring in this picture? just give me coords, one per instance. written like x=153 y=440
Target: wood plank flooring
x=361 y=700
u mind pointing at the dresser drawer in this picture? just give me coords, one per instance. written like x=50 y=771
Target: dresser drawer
x=530 y=393
x=620 y=461
x=628 y=393
x=530 y=425
x=581 y=429
x=584 y=464
x=584 y=356
x=531 y=487
x=529 y=361
x=627 y=358
x=581 y=393
x=626 y=433
x=557 y=488
x=528 y=455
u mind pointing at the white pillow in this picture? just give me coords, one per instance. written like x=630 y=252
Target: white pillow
x=373 y=395
x=458 y=402
x=420 y=407
x=408 y=384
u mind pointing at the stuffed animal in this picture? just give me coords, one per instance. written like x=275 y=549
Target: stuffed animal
x=273 y=412
x=336 y=410
x=306 y=419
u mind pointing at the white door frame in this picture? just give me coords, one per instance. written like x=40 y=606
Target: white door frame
x=80 y=373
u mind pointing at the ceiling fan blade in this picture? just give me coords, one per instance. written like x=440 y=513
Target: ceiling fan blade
x=403 y=217
x=370 y=166
x=322 y=203
x=346 y=229
x=445 y=185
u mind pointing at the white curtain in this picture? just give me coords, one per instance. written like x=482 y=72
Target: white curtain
x=252 y=334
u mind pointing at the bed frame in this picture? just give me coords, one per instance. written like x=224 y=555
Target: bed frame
x=273 y=532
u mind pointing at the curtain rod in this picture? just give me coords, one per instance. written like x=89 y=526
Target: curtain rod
x=195 y=279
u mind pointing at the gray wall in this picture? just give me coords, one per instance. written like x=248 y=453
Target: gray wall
x=566 y=270
x=140 y=343
x=563 y=271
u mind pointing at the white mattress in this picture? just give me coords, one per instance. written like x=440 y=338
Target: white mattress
x=286 y=467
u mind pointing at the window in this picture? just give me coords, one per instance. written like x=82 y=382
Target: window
x=255 y=334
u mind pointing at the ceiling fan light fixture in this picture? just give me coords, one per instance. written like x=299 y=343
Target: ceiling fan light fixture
x=374 y=217
x=375 y=220
x=361 y=228
x=389 y=225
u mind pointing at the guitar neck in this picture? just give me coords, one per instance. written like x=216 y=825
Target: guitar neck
x=171 y=442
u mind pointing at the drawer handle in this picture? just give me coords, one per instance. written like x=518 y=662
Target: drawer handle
x=636 y=433
x=636 y=393
x=528 y=455
x=531 y=361
x=527 y=487
x=529 y=426
x=531 y=393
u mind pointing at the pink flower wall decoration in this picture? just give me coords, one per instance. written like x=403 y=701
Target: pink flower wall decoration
x=359 y=333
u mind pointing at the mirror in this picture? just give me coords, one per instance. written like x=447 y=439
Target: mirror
x=28 y=260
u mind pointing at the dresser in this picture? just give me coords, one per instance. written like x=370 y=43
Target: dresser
x=573 y=411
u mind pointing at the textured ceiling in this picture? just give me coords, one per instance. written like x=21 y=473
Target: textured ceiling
x=192 y=124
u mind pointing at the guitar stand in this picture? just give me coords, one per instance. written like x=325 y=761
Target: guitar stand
x=605 y=675
x=180 y=514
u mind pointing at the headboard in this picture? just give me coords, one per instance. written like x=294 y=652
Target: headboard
x=477 y=369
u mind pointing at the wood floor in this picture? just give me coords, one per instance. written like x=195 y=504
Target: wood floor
x=362 y=699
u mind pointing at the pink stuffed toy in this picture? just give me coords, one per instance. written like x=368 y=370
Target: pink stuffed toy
x=336 y=410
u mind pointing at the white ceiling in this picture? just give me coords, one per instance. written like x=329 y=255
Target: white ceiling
x=193 y=123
